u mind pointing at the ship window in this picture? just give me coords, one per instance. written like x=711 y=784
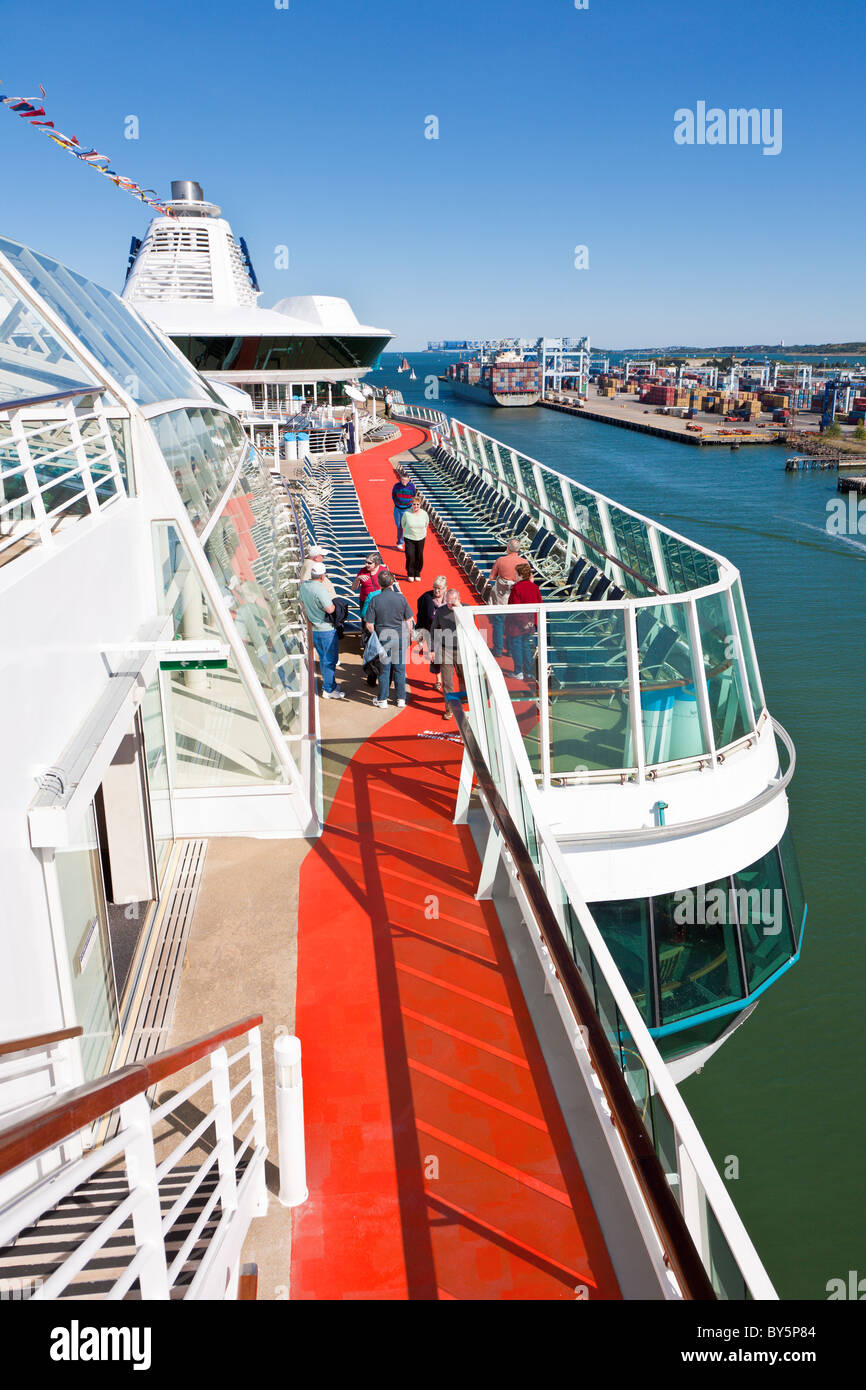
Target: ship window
x=696 y=950
x=763 y=915
x=751 y=668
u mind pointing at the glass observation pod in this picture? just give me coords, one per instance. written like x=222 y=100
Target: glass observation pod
x=638 y=723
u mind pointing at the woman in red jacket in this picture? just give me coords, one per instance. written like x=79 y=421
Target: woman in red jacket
x=520 y=629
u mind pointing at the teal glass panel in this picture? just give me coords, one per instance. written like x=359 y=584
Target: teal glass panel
x=625 y=926
x=216 y=738
x=696 y=947
x=85 y=926
x=135 y=355
x=668 y=695
x=687 y=567
x=202 y=449
x=556 y=502
x=589 y=695
x=751 y=669
x=632 y=546
x=730 y=717
x=725 y=1273
x=588 y=518
x=665 y=1142
x=793 y=882
x=608 y=1015
x=764 y=924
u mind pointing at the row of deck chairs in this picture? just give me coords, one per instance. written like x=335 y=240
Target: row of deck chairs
x=475 y=522
x=338 y=526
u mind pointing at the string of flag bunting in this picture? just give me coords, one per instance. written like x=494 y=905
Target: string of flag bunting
x=34 y=113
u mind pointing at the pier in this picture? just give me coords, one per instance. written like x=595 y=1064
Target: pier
x=675 y=429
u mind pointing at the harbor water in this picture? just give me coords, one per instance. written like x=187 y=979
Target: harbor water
x=780 y=1106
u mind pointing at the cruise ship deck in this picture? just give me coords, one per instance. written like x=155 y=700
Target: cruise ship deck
x=438 y=1161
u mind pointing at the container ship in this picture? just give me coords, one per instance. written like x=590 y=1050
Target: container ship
x=508 y=380
x=492 y=929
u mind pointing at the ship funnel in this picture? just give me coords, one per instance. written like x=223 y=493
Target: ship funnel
x=186 y=191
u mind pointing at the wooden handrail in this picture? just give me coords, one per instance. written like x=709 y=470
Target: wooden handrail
x=38 y=1040
x=679 y=1249
x=165 y=1064
x=66 y=1114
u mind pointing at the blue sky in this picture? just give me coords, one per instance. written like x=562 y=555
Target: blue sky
x=556 y=128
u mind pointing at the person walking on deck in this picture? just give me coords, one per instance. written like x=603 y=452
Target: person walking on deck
x=390 y=617
x=415 y=525
x=401 y=495
x=317 y=605
x=366 y=581
x=502 y=576
x=520 y=628
x=444 y=642
x=428 y=604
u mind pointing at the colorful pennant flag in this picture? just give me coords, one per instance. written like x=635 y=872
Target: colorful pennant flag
x=32 y=111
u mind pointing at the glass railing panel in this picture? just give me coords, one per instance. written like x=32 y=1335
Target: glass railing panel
x=608 y=1015
x=748 y=655
x=687 y=567
x=725 y=1274
x=587 y=516
x=556 y=503
x=590 y=726
x=632 y=545
x=625 y=926
x=668 y=691
x=728 y=710
x=215 y=736
x=661 y=1128
x=696 y=950
x=527 y=475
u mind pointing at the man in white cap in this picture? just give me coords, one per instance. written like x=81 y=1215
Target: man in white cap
x=316 y=556
x=317 y=605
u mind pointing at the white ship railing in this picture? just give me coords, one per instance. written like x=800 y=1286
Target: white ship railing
x=156 y=1194
x=59 y=463
x=717 y=1230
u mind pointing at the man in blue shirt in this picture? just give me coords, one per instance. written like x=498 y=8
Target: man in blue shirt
x=401 y=495
x=317 y=605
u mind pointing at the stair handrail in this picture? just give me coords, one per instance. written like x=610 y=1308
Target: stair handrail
x=38 y=1041
x=68 y=1113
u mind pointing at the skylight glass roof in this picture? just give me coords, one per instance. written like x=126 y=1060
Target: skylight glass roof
x=33 y=362
x=138 y=359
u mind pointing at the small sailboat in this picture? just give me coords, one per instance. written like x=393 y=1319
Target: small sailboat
x=413 y=376
x=404 y=366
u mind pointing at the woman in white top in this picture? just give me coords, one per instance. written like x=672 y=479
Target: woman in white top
x=415 y=524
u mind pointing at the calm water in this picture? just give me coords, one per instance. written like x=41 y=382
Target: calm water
x=784 y=1095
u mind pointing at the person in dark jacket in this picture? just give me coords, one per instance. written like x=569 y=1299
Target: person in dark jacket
x=401 y=495
x=443 y=633
x=428 y=604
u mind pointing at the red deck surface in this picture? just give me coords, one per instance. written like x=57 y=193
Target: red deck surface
x=438 y=1162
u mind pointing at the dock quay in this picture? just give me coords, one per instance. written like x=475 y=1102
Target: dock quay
x=798 y=465
x=674 y=429
x=848 y=483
